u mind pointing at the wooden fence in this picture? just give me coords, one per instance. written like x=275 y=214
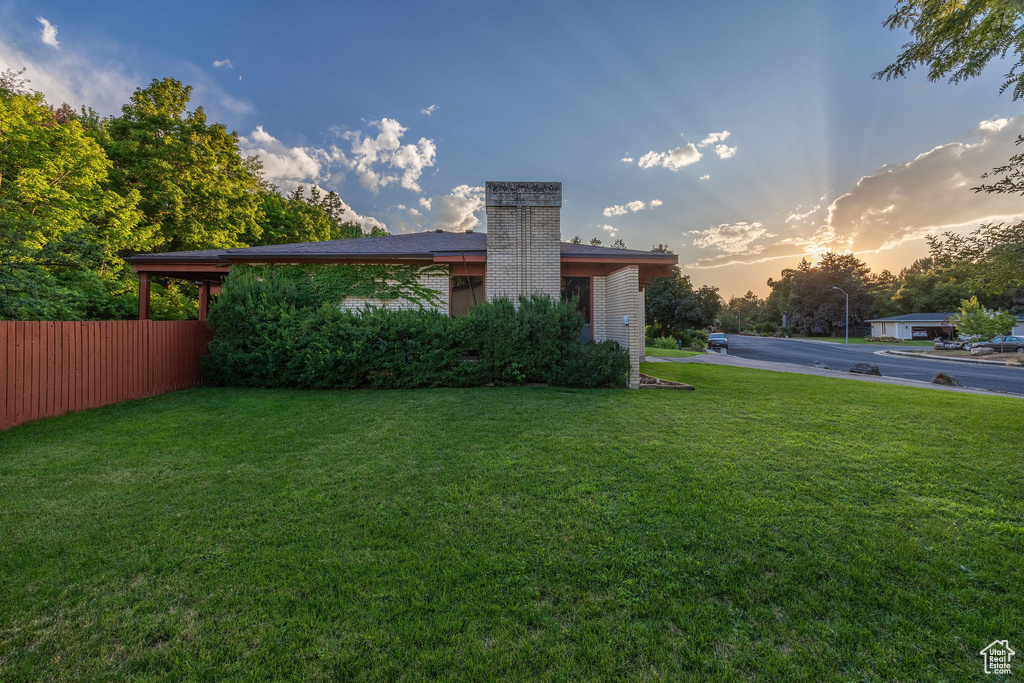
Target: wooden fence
x=52 y=368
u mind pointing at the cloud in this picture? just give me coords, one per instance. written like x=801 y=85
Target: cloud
x=725 y=152
x=101 y=77
x=370 y=154
x=673 y=159
x=712 y=138
x=736 y=238
x=796 y=216
x=458 y=210
x=930 y=194
x=429 y=110
x=627 y=160
x=284 y=165
x=425 y=203
x=223 y=64
x=49 y=33
x=705 y=177
x=610 y=229
x=634 y=206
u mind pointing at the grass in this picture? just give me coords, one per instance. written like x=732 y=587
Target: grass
x=764 y=527
x=669 y=353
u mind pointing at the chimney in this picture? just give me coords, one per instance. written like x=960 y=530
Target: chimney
x=523 y=239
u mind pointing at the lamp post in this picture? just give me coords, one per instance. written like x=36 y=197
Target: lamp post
x=847 y=313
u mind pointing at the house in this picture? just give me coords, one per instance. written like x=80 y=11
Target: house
x=522 y=253
x=921 y=326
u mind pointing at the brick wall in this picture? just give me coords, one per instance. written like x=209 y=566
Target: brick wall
x=622 y=297
x=439 y=282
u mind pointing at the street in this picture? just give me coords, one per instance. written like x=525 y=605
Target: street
x=842 y=356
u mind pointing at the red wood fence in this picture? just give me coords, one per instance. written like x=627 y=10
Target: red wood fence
x=52 y=368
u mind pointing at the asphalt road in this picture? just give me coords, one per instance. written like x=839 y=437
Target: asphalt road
x=843 y=357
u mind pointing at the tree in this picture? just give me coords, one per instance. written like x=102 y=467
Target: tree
x=619 y=244
x=576 y=240
x=195 y=187
x=674 y=306
x=63 y=231
x=595 y=242
x=956 y=39
x=977 y=323
x=816 y=305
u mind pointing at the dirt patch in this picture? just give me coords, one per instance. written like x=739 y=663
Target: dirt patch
x=648 y=382
x=960 y=353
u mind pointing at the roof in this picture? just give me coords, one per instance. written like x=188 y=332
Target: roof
x=919 y=318
x=914 y=318
x=411 y=245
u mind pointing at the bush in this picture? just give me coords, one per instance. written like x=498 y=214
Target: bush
x=275 y=332
x=664 y=343
x=887 y=340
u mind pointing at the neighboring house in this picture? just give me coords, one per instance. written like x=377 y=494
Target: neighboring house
x=925 y=325
x=521 y=254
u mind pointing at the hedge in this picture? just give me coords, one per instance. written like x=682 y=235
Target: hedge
x=273 y=329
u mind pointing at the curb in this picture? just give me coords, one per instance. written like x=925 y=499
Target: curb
x=911 y=354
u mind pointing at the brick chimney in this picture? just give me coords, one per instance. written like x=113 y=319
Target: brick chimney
x=523 y=239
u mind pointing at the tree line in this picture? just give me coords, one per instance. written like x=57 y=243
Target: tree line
x=80 y=192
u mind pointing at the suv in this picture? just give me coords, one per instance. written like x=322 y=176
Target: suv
x=718 y=341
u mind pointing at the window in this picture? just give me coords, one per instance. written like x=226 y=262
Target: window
x=466 y=292
x=579 y=287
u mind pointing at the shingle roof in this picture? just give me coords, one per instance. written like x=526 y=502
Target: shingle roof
x=424 y=244
x=919 y=318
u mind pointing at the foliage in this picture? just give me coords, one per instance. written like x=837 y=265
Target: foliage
x=285 y=329
x=956 y=39
x=674 y=305
x=63 y=232
x=194 y=186
x=664 y=343
x=287 y=220
x=815 y=304
x=976 y=323
x=333 y=283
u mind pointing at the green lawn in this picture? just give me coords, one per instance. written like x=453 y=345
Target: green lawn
x=669 y=353
x=766 y=526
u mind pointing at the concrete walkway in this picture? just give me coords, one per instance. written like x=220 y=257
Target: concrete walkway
x=718 y=359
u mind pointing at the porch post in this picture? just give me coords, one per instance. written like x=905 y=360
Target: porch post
x=204 y=300
x=143 y=296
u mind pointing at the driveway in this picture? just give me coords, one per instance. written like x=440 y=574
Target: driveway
x=804 y=353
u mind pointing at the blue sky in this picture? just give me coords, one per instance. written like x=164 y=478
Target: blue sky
x=754 y=132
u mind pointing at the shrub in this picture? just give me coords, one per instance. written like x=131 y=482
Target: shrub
x=664 y=343
x=276 y=332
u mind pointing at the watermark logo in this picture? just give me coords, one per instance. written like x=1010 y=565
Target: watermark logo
x=997 y=657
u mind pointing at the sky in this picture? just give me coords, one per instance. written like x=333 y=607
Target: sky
x=743 y=135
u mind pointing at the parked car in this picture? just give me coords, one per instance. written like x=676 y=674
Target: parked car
x=718 y=341
x=1004 y=344
x=919 y=335
x=941 y=343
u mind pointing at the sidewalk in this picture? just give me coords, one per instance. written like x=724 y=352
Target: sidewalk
x=717 y=359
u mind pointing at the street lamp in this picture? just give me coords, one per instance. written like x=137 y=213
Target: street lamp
x=847 y=313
